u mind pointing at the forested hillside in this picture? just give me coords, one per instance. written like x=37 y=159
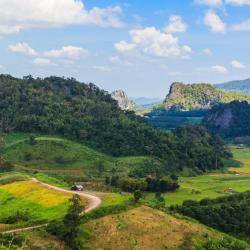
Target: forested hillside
x=229 y=120
x=186 y=97
x=89 y=115
x=228 y=214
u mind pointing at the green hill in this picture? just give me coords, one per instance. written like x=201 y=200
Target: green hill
x=86 y=114
x=186 y=97
x=67 y=159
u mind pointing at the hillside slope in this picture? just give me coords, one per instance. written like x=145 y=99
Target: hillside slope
x=229 y=120
x=146 y=228
x=186 y=97
x=241 y=86
x=87 y=114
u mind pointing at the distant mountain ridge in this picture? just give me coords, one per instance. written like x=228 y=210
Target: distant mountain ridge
x=186 y=97
x=241 y=86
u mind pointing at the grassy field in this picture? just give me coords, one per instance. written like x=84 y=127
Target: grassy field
x=145 y=228
x=27 y=202
x=212 y=185
x=242 y=155
x=64 y=158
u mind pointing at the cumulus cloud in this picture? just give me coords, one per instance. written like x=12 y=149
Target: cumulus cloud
x=16 y=15
x=176 y=24
x=153 y=42
x=123 y=46
x=66 y=51
x=238 y=2
x=214 y=22
x=41 y=62
x=219 y=69
x=23 y=48
x=243 y=26
x=209 y=2
x=237 y=64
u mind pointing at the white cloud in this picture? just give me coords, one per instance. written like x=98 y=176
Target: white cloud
x=66 y=51
x=7 y=30
x=176 y=24
x=69 y=52
x=23 y=48
x=119 y=61
x=207 y=52
x=123 y=46
x=209 y=2
x=243 y=26
x=41 y=62
x=214 y=22
x=238 y=2
x=153 y=42
x=102 y=68
x=219 y=69
x=25 y=14
x=237 y=65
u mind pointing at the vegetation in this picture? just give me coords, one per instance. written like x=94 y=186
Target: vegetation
x=167 y=120
x=89 y=115
x=28 y=202
x=228 y=214
x=186 y=97
x=241 y=86
x=230 y=120
x=147 y=228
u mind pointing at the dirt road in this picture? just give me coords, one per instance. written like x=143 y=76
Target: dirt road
x=93 y=202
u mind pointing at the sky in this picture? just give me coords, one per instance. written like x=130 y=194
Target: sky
x=140 y=46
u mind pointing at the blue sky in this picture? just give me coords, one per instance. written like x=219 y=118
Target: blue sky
x=135 y=45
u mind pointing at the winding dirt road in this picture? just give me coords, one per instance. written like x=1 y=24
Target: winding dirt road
x=93 y=202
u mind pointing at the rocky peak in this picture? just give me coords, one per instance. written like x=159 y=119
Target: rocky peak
x=122 y=99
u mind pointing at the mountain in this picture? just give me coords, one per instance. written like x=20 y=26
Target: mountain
x=186 y=97
x=122 y=99
x=230 y=120
x=241 y=86
x=86 y=114
x=144 y=101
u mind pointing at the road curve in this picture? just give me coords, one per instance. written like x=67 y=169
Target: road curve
x=94 y=202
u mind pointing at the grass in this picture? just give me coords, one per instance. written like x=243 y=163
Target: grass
x=212 y=185
x=144 y=228
x=243 y=156
x=41 y=204
x=10 y=177
x=64 y=158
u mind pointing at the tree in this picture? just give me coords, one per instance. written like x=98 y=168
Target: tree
x=32 y=140
x=137 y=195
x=72 y=221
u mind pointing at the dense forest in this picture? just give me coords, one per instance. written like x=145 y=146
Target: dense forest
x=230 y=214
x=85 y=113
x=229 y=120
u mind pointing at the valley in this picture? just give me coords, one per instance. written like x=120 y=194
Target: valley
x=130 y=177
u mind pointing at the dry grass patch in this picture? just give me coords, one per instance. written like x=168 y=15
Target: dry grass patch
x=142 y=228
